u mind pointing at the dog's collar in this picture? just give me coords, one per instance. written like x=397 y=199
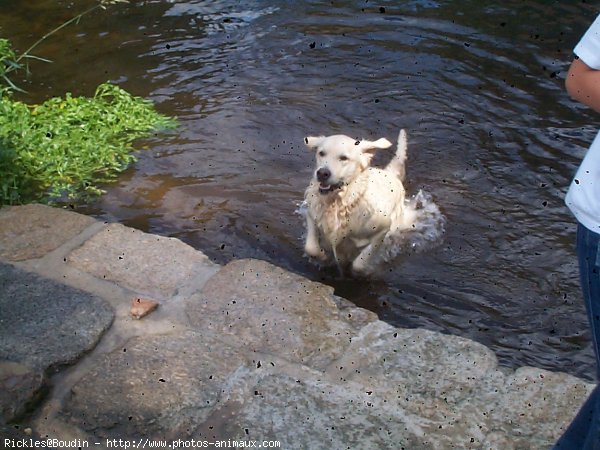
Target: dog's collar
x=329 y=188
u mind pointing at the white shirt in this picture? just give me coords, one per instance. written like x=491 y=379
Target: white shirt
x=583 y=197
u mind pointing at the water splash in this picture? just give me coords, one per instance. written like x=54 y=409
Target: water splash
x=423 y=227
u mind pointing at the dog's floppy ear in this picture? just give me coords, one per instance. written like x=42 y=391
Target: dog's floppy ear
x=366 y=146
x=368 y=149
x=313 y=142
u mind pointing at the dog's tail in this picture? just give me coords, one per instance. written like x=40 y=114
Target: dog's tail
x=398 y=163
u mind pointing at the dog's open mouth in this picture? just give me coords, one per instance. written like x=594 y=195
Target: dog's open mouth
x=325 y=188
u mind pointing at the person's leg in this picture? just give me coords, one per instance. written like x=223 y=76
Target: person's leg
x=584 y=431
x=588 y=253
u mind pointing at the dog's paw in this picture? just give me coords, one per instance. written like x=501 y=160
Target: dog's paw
x=361 y=266
x=315 y=252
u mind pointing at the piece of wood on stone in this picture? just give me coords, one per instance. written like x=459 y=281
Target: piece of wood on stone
x=141 y=307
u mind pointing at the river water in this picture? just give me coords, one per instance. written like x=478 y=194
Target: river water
x=493 y=138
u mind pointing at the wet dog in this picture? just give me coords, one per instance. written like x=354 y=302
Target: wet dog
x=350 y=206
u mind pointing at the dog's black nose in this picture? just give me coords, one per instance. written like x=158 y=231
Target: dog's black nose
x=323 y=174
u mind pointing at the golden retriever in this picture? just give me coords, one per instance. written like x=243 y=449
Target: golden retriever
x=350 y=206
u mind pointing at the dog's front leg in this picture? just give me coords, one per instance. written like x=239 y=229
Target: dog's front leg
x=364 y=263
x=312 y=247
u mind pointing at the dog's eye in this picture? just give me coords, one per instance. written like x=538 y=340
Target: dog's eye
x=343 y=158
x=321 y=153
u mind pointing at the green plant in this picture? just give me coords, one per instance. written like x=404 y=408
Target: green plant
x=67 y=147
x=8 y=63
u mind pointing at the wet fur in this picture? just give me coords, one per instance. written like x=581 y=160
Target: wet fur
x=350 y=214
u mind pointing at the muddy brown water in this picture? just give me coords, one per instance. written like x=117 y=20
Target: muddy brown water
x=493 y=138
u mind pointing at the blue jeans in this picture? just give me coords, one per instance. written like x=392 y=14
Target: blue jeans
x=584 y=431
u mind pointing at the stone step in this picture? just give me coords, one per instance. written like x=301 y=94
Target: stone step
x=244 y=352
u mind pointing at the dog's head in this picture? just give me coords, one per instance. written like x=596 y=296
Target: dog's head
x=340 y=159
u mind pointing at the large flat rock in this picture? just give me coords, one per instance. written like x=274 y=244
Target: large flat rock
x=308 y=412
x=454 y=391
x=534 y=407
x=18 y=386
x=154 y=387
x=264 y=308
x=145 y=263
x=43 y=325
x=396 y=388
x=31 y=231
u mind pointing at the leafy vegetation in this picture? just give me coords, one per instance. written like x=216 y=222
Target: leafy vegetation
x=8 y=63
x=66 y=146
